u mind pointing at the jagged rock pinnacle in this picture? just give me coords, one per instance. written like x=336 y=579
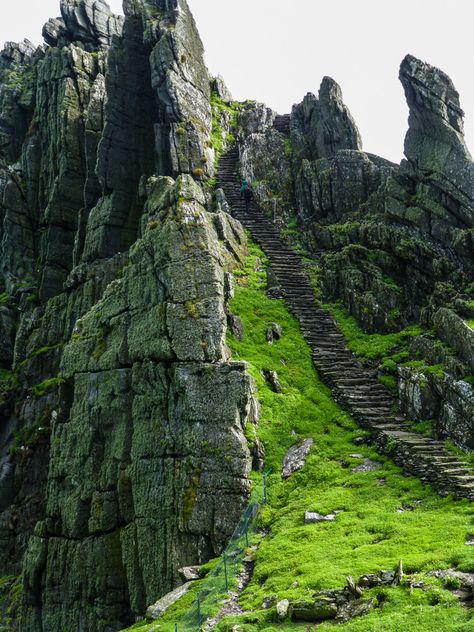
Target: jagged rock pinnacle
x=325 y=125
x=436 y=118
x=90 y=21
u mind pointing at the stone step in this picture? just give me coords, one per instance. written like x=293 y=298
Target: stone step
x=357 y=388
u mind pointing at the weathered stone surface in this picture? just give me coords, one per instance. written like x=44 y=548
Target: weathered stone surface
x=435 y=140
x=354 y=609
x=190 y=573
x=322 y=608
x=367 y=466
x=272 y=378
x=236 y=326
x=219 y=88
x=282 y=608
x=329 y=188
x=312 y=517
x=155 y=409
x=162 y=605
x=295 y=458
x=181 y=85
x=457 y=333
x=446 y=401
x=90 y=21
x=274 y=332
x=55 y=32
x=321 y=126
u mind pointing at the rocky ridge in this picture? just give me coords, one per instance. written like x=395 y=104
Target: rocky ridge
x=122 y=443
x=118 y=453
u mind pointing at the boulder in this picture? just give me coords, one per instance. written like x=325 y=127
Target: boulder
x=354 y=609
x=162 y=605
x=312 y=517
x=282 y=608
x=295 y=458
x=274 y=332
x=236 y=326
x=320 y=609
x=190 y=573
x=269 y=602
x=272 y=378
x=367 y=466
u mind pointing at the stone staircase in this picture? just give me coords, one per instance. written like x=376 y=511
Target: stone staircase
x=354 y=387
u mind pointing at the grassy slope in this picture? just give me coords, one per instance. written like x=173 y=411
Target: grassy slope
x=370 y=534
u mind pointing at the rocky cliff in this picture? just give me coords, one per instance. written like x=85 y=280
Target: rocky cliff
x=123 y=454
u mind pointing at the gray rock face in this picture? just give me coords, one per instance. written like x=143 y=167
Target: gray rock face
x=159 y=408
x=181 y=85
x=272 y=378
x=295 y=458
x=312 y=517
x=162 y=605
x=55 y=32
x=447 y=402
x=435 y=140
x=320 y=127
x=114 y=317
x=90 y=21
x=330 y=188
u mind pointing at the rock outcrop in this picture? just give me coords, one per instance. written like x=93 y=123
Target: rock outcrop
x=122 y=445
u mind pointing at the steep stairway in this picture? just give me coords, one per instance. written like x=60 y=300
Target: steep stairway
x=354 y=387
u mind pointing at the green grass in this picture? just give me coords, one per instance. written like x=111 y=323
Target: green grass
x=370 y=534
x=45 y=386
x=370 y=346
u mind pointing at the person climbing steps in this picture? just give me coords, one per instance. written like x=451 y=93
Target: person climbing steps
x=247 y=193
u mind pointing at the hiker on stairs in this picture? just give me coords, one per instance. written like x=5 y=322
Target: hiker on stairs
x=247 y=193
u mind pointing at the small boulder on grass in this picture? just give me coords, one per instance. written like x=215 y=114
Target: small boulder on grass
x=274 y=332
x=312 y=517
x=295 y=458
x=272 y=378
x=190 y=573
x=162 y=605
x=282 y=609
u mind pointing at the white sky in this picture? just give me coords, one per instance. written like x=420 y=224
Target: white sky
x=276 y=51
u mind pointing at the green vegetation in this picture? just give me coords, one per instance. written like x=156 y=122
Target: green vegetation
x=27 y=438
x=4 y=298
x=384 y=516
x=370 y=346
x=370 y=533
x=219 y=109
x=45 y=386
x=11 y=591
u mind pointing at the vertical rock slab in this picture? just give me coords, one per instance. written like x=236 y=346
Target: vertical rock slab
x=321 y=126
x=182 y=87
x=149 y=463
x=125 y=152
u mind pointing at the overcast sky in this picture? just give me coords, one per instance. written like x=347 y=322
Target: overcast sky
x=276 y=51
